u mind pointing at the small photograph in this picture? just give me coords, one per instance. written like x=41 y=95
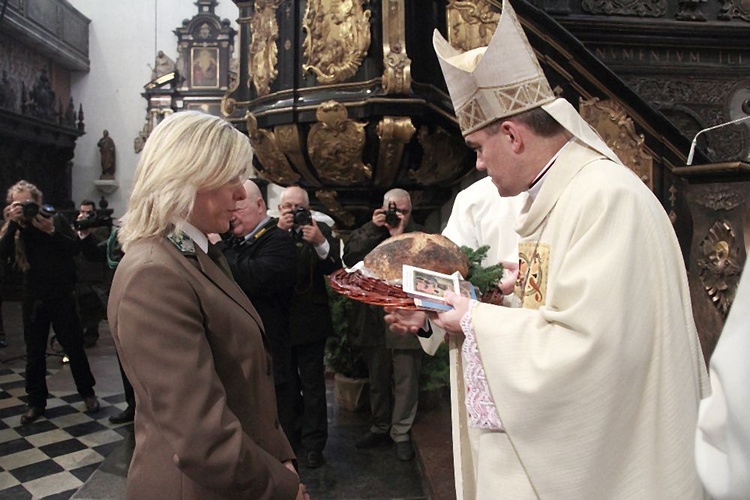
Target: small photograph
x=429 y=284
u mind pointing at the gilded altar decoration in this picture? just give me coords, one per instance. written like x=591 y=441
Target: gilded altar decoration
x=274 y=166
x=335 y=145
x=337 y=38
x=618 y=131
x=290 y=143
x=442 y=156
x=329 y=198
x=471 y=24
x=719 y=265
x=394 y=133
x=262 y=51
x=397 y=74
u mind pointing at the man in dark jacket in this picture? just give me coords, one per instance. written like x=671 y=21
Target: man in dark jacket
x=393 y=361
x=262 y=260
x=317 y=256
x=43 y=247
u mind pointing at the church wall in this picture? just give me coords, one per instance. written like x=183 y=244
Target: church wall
x=123 y=41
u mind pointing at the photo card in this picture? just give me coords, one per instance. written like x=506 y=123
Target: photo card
x=418 y=282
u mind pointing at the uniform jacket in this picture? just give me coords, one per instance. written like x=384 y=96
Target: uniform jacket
x=597 y=378
x=311 y=317
x=193 y=346
x=264 y=267
x=369 y=327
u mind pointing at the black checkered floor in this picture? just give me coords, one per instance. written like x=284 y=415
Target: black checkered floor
x=55 y=455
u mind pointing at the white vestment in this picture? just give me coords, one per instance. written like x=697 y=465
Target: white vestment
x=722 y=445
x=597 y=379
x=480 y=216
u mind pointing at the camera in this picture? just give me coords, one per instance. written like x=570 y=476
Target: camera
x=99 y=218
x=391 y=215
x=302 y=216
x=30 y=209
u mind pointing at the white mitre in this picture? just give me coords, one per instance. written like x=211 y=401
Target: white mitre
x=504 y=79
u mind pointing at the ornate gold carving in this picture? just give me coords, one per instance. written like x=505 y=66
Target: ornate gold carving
x=337 y=38
x=397 y=74
x=618 y=131
x=328 y=197
x=262 y=51
x=288 y=139
x=335 y=146
x=442 y=158
x=275 y=166
x=719 y=265
x=394 y=134
x=471 y=24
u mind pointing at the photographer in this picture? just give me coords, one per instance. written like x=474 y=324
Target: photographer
x=43 y=247
x=393 y=361
x=310 y=318
x=93 y=230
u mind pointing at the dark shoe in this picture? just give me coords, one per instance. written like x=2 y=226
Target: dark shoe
x=315 y=459
x=127 y=415
x=31 y=415
x=92 y=404
x=404 y=451
x=373 y=439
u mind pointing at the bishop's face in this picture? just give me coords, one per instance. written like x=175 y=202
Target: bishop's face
x=495 y=155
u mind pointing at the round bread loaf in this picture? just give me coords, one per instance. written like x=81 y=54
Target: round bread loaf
x=428 y=251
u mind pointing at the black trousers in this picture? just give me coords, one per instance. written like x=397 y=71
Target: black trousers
x=38 y=315
x=127 y=386
x=310 y=390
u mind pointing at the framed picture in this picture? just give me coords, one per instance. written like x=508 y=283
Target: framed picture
x=204 y=67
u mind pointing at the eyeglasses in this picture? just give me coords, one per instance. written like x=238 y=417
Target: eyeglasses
x=291 y=206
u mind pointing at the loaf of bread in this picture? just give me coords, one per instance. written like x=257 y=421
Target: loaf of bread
x=428 y=251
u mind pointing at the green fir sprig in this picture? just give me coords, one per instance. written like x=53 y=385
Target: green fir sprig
x=479 y=276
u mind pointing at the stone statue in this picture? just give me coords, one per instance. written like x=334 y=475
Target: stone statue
x=107 y=151
x=162 y=65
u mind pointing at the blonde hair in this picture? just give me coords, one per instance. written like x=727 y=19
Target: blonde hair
x=24 y=186
x=186 y=153
x=21 y=261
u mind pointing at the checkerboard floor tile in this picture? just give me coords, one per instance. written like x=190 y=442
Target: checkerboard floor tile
x=55 y=455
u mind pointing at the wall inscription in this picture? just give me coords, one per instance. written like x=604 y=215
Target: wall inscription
x=669 y=56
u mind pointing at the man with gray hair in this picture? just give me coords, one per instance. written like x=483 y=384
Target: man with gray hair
x=393 y=361
x=317 y=255
x=261 y=258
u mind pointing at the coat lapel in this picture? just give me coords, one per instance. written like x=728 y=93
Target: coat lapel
x=211 y=270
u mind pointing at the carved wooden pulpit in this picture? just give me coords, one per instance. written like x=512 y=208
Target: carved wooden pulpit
x=713 y=203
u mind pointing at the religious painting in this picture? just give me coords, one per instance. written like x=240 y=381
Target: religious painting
x=205 y=67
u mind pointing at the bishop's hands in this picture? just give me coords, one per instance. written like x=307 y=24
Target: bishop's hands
x=404 y=321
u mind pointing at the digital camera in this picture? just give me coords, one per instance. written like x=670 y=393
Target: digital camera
x=30 y=209
x=391 y=215
x=302 y=216
x=99 y=218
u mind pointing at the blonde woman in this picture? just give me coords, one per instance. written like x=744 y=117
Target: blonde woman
x=42 y=246
x=190 y=341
